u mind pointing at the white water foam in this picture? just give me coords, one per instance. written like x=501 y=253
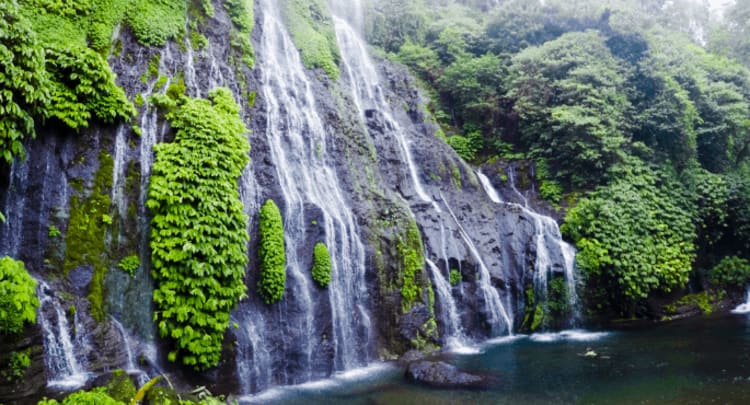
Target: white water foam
x=572 y=335
x=743 y=308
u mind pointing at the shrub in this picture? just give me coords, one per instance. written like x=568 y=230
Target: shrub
x=271 y=254
x=18 y=302
x=321 y=270
x=198 y=230
x=732 y=271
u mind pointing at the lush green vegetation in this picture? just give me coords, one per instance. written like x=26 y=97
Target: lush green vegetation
x=23 y=79
x=311 y=28
x=198 y=233
x=86 y=237
x=243 y=18
x=52 y=68
x=731 y=272
x=455 y=277
x=642 y=134
x=18 y=302
x=411 y=269
x=17 y=366
x=130 y=264
x=271 y=254
x=321 y=268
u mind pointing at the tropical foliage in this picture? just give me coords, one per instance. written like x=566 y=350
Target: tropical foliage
x=198 y=230
x=18 y=302
x=321 y=268
x=271 y=254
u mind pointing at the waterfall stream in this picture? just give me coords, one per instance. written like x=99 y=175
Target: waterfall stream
x=63 y=366
x=546 y=234
x=299 y=149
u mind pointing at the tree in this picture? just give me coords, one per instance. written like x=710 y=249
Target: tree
x=568 y=94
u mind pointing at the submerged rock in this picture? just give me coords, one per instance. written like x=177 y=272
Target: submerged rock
x=442 y=375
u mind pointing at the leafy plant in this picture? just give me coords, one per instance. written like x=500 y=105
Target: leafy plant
x=53 y=231
x=411 y=268
x=271 y=254
x=634 y=236
x=130 y=264
x=198 y=233
x=455 y=277
x=17 y=366
x=18 y=302
x=83 y=86
x=96 y=396
x=732 y=272
x=321 y=269
x=24 y=81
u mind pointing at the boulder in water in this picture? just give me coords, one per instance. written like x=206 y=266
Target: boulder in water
x=442 y=375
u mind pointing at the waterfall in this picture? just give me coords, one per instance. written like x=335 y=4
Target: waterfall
x=367 y=88
x=491 y=296
x=448 y=309
x=512 y=180
x=11 y=232
x=60 y=357
x=743 y=308
x=368 y=94
x=299 y=149
x=546 y=234
x=130 y=366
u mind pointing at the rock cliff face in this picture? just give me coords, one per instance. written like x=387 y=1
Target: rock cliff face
x=354 y=162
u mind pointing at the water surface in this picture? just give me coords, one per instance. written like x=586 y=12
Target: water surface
x=699 y=361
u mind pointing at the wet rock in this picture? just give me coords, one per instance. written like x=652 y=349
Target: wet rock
x=442 y=375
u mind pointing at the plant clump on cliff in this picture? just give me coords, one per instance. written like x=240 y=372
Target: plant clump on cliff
x=271 y=254
x=321 y=269
x=198 y=231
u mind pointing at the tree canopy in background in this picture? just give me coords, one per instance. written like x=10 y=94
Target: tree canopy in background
x=636 y=113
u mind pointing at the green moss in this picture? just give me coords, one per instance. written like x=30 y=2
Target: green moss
x=321 y=269
x=411 y=267
x=242 y=15
x=538 y=318
x=271 y=253
x=198 y=41
x=120 y=387
x=85 y=241
x=53 y=231
x=456 y=176
x=311 y=27
x=154 y=22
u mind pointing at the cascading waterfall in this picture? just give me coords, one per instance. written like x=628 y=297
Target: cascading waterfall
x=498 y=316
x=130 y=366
x=368 y=94
x=60 y=357
x=299 y=149
x=450 y=316
x=546 y=234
